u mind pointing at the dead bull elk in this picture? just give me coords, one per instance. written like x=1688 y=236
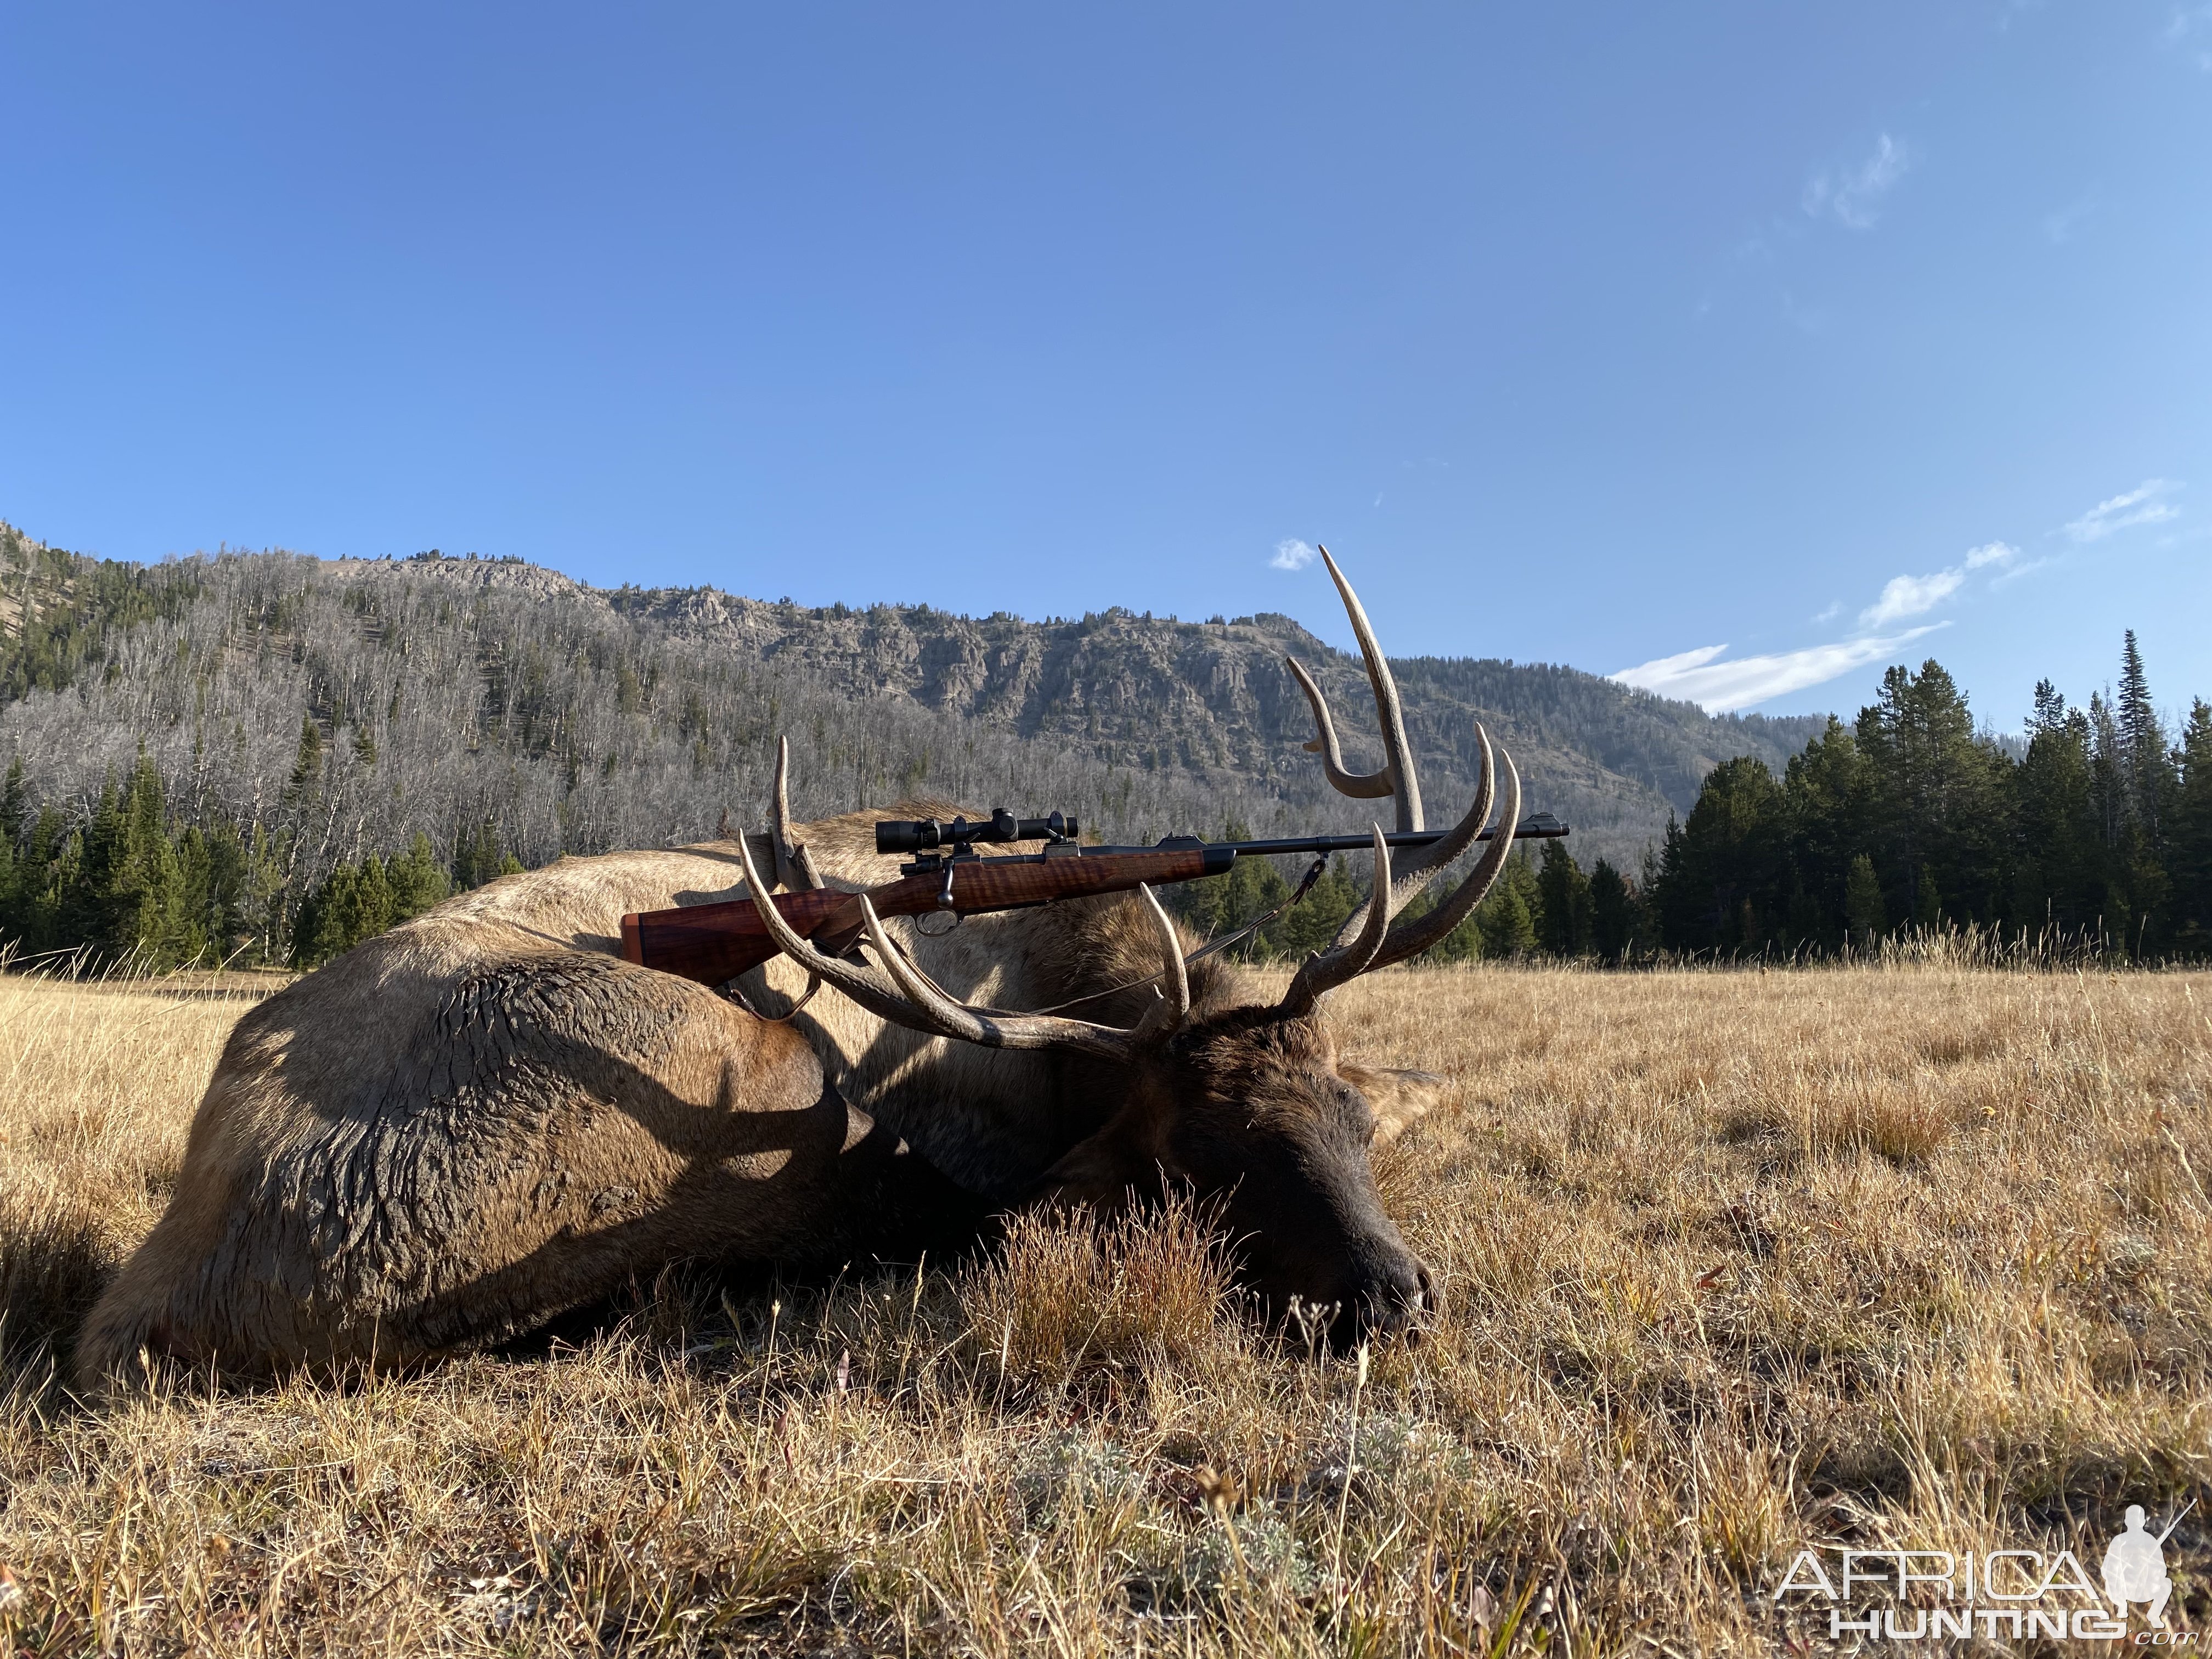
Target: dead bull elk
x=1184 y=1075
x=485 y=1117
x=464 y=1126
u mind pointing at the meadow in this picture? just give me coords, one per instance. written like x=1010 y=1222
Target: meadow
x=1898 y=1255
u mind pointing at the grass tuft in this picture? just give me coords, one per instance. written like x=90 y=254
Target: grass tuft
x=1069 y=1292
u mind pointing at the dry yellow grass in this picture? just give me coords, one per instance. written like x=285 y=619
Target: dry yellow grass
x=1735 y=1262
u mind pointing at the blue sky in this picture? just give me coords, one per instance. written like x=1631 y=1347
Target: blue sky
x=1747 y=347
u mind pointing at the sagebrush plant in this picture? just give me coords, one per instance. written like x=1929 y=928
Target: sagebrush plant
x=1733 y=1262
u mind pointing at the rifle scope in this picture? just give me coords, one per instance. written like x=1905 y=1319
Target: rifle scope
x=928 y=834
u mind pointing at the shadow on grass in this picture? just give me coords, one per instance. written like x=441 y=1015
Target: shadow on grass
x=55 y=1259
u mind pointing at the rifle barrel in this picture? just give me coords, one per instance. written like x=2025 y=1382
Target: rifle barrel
x=1540 y=826
x=2176 y=1521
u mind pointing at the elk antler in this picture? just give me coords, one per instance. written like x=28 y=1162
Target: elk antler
x=1323 y=971
x=1367 y=941
x=1396 y=778
x=900 y=992
x=794 y=865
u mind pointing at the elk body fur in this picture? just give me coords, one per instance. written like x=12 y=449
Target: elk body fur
x=465 y=1125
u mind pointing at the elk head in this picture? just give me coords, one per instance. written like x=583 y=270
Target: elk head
x=1250 y=1106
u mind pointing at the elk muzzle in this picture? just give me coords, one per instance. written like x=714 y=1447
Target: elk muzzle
x=1342 y=1284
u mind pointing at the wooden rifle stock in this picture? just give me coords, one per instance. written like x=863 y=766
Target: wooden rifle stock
x=714 y=943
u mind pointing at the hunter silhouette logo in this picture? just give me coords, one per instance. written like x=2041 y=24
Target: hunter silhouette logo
x=2135 y=1566
x=1935 y=1595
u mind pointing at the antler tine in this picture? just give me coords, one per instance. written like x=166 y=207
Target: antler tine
x=1397 y=752
x=901 y=993
x=1415 y=937
x=1421 y=864
x=1359 y=786
x=1426 y=861
x=1325 y=970
x=794 y=866
x=1174 y=1006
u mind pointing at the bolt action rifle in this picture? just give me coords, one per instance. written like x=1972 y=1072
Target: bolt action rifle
x=715 y=943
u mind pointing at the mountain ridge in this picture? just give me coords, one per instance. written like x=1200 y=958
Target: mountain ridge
x=1211 y=696
x=581 y=717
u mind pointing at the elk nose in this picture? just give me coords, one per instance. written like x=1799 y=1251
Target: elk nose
x=1401 y=1296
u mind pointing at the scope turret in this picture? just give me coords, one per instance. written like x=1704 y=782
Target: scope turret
x=928 y=834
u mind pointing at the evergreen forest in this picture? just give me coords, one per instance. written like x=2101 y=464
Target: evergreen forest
x=263 y=759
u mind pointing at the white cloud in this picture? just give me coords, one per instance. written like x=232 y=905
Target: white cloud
x=1291 y=555
x=1720 y=686
x=1723 y=686
x=2144 y=504
x=1916 y=596
x=1853 y=195
x=1912 y=596
x=1649 y=675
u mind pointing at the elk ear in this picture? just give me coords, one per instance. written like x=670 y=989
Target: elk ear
x=1104 y=1172
x=1397 y=1097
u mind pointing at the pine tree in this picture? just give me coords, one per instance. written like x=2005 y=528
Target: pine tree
x=195 y=874
x=9 y=928
x=1863 y=911
x=222 y=895
x=1564 y=925
x=354 y=904
x=2049 y=711
x=2146 y=766
x=308 y=767
x=2059 y=880
x=151 y=920
x=44 y=872
x=1312 y=924
x=476 y=856
x=2131 y=906
x=1721 y=875
x=13 y=803
x=1614 y=918
x=1939 y=796
x=85 y=899
x=372 y=901
x=2107 y=771
x=1927 y=903
x=315 y=922
x=2190 y=838
x=417 y=881
x=13 y=870
x=1506 y=918
x=1826 y=792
